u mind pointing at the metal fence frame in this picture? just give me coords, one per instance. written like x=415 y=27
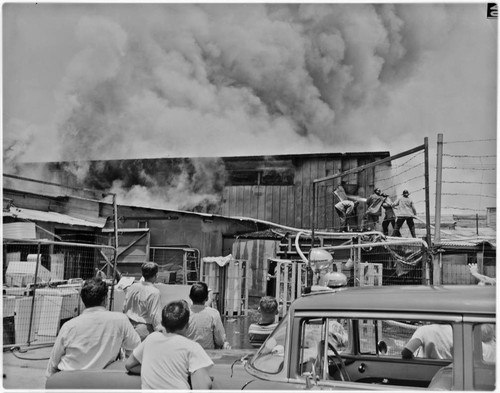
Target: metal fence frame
x=41 y=297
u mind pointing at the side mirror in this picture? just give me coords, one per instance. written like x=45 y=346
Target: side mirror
x=382 y=347
x=243 y=360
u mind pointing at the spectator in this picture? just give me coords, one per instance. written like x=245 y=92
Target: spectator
x=389 y=216
x=435 y=340
x=374 y=209
x=93 y=339
x=405 y=212
x=483 y=280
x=345 y=211
x=258 y=332
x=142 y=302
x=489 y=342
x=205 y=324
x=170 y=360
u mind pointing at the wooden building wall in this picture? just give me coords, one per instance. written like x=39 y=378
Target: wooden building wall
x=291 y=205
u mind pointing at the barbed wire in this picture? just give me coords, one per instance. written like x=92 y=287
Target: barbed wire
x=472 y=140
x=470 y=169
x=395 y=166
x=474 y=195
x=469 y=156
x=400 y=173
x=466 y=182
x=466 y=209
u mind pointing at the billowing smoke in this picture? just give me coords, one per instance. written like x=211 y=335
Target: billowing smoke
x=209 y=80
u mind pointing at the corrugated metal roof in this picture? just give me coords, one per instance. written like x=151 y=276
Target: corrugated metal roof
x=38 y=215
x=468 y=244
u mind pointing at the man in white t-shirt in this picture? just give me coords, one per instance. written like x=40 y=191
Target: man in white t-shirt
x=170 y=360
x=435 y=340
x=92 y=340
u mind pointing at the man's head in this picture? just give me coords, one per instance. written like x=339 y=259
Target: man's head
x=199 y=293
x=377 y=191
x=149 y=270
x=94 y=292
x=406 y=193
x=175 y=316
x=268 y=305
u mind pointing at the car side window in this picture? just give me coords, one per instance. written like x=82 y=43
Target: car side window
x=312 y=343
x=484 y=348
x=270 y=357
x=406 y=339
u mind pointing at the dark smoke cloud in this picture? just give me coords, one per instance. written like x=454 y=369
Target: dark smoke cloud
x=208 y=80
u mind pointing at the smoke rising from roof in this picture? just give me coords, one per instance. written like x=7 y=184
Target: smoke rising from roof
x=208 y=80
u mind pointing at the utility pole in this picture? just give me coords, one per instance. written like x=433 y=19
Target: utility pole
x=115 y=256
x=439 y=182
x=429 y=279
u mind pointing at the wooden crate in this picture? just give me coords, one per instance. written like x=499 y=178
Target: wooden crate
x=290 y=279
x=236 y=294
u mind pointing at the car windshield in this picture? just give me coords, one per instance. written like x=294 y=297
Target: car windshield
x=269 y=358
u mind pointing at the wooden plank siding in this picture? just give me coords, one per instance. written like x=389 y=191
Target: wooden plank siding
x=290 y=205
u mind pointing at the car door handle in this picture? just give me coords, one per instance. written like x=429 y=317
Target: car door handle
x=362 y=368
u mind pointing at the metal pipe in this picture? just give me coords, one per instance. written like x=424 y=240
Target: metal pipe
x=375 y=244
x=297 y=247
x=372 y=164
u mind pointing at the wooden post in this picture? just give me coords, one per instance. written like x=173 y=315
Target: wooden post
x=38 y=261
x=480 y=262
x=439 y=182
x=313 y=212
x=115 y=257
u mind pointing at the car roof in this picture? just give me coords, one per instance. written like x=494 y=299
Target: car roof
x=453 y=299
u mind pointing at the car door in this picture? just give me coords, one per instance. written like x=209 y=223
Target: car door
x=368 y=352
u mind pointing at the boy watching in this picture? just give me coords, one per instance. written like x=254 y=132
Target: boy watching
x=258 y=332
x=168 y=360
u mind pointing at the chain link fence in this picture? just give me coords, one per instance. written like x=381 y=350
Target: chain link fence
x=41 y=286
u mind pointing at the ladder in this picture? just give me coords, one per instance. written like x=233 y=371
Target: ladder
x=190 y=266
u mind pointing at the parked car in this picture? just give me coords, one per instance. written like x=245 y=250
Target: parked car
x=352 y=338
x=309 y=350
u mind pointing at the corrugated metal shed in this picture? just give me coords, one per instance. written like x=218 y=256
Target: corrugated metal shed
x=37 y=215
x=477 y=244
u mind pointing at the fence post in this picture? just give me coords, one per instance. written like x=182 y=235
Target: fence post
x=34 y=291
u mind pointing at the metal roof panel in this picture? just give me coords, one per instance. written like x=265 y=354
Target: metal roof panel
x=38 y=215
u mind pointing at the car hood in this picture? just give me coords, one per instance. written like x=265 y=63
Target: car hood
x=228 y=371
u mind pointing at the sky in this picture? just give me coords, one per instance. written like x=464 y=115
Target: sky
x=103 y=81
